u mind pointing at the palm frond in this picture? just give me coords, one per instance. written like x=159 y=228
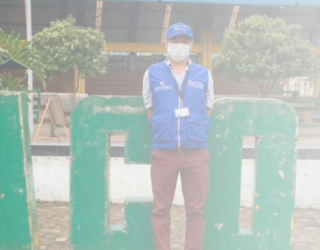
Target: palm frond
x=21 y=52
x=10 y=83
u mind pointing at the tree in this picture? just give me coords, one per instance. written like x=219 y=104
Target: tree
x=65 y=47
x=14 y=49
x=266 y=51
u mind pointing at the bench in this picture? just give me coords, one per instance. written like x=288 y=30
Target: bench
x=308 y=110
x=56 y=110
x=293 y=94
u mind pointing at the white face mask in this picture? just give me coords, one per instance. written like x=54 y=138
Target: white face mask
x=178 y=52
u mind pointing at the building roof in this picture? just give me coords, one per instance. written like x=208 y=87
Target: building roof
x=136 y=21
x=312 y=3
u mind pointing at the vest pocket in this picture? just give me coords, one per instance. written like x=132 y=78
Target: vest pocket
x=161 y=128
x=197 y=128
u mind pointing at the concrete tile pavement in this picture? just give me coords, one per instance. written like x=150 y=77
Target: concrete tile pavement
x=54 y=224
x=307 y=229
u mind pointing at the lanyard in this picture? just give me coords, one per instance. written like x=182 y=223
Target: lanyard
x=181 y=91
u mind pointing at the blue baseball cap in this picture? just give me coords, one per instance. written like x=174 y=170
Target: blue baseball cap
x=179 y=29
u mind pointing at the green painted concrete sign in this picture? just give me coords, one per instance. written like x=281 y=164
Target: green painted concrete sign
x=273 y=123
x=18 y=226
x=92 y=123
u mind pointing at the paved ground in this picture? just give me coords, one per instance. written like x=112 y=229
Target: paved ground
x=54 y=220
x=54 y=224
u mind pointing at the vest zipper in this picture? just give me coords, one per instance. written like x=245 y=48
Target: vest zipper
x=179 y=142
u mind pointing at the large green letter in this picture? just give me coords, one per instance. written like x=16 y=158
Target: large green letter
x=18 y=227
x=93 y=121
x=274 y=123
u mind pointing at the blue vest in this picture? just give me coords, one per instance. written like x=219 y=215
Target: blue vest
x=168 y=131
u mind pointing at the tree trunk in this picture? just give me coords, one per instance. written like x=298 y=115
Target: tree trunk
x=265 y=89
x=260 y=85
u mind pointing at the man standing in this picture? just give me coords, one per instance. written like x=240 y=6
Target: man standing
x=178 y=96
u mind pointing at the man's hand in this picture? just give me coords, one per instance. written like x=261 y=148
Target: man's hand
x=209 y=112
x=149 y=113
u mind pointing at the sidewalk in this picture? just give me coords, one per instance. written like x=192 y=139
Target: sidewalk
x=54 y=224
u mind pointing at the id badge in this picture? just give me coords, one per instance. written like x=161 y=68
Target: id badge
x=182 y=112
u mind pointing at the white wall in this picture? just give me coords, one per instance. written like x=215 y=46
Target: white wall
x=51 y=177
x=308 y=184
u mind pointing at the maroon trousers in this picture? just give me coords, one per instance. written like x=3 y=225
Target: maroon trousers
x=193 y=167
